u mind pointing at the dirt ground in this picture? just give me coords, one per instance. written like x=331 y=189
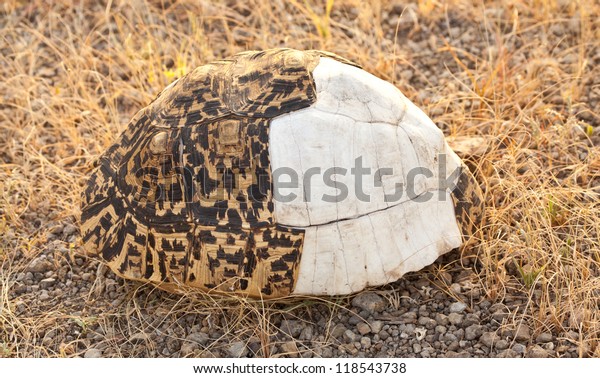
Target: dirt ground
x=525 y=75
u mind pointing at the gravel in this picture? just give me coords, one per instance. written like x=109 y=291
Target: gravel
x=457 y=307
x=237 y=349
x=93 y=353
x=370 y=302
x=431 y=313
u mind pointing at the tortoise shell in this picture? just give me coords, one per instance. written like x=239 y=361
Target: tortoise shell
x=216 y=184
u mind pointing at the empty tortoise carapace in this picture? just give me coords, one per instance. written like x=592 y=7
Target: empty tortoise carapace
x=274 y=173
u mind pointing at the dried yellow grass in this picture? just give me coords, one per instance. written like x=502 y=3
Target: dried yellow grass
x=72 y=75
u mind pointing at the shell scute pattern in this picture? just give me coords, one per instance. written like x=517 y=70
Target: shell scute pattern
x=184 y=196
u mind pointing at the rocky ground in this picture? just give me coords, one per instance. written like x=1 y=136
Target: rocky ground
x=524 y=76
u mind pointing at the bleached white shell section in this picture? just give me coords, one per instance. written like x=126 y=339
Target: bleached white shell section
x=374 y=233
x=346 y=256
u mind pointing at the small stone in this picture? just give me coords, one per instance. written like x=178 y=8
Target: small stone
x=471 y=319
x=458 y=307
x=440 y=329
x=363 y=328
x=427 y=322
x=453 y=354
x=417 y=348
x=290 y=348
x=442 y=319
x=370 y=302
x=522 y=333
x=365 y=342
x=292 y=327
x=455 y=318
x=499 y=315
x=93 y=353
x=349 y=336
x=69 y=230
x=519 y=348
x=354 y=320
x=384 y=335
x=187 y=348
x=508 y=353
x=237 y=349
x=44 y=296
x=473 y=332
x=338 y=330
x=455 y=288
x=376 y=326
x=544 y=338
x=39 y=265
x=327 y=353
x=488 y=339
x=450 y=337
x=502 y=344
x=537 y=352
x=549 y=346
x=307 y=333
x=409 y=317
x=47 y=282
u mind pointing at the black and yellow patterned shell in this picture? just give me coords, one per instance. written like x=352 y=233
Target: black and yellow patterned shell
x=184 y=197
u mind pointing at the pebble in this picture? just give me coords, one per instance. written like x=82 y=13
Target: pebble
x=427 y=322
x=290 y=348
x=363 y=328
x=44 y=296
x=455 y=318
x=365 y=342
x=93 y=353
x=417 y=348
x=458 y=307
x=69 y=230
x=453 y=354
x=187 y=348
x=537 y=352
x=376 y=326
x=488 y=339
x=409 y=317
x=384 y=335
x=338 y=330
x=502 y=344
x=522 y=333
x=544 y=338
x=455 y=288
x=306 y=334
x=349 y=336
x=370 y=302
x=39 y=265
x=508 y=353
x=519 y=348
x=442 y=319
x=237 y=349
x=292 y=327
x=47 y=282
x=473 y=332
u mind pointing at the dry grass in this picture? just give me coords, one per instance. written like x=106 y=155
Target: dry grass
x=522 y=74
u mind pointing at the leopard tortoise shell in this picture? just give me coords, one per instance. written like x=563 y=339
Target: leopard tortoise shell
x=199 y=190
